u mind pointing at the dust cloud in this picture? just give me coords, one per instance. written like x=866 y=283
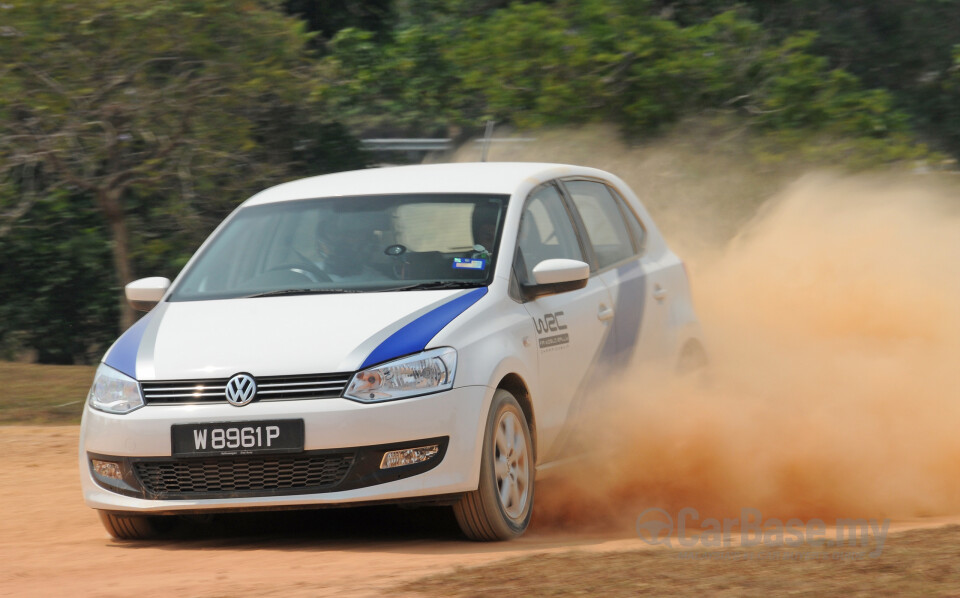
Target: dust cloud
x=831 y=311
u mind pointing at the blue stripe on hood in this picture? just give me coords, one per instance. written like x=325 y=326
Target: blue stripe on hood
x=123 y=356
x=414 y=337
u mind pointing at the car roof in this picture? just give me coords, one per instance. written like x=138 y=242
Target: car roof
x=468 y=177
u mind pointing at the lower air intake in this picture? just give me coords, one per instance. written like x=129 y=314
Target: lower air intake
x=245 y=476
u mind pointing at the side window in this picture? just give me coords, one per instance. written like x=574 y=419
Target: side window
x=545 y=232
x=603 y=221
x=636 y=227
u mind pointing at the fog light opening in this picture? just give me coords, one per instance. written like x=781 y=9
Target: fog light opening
x=107 y=469
x=409 y=456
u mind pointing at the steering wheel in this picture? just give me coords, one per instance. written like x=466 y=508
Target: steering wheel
x=306 y=269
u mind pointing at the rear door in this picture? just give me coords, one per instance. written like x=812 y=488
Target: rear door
x=617 y=239
x=571 y=327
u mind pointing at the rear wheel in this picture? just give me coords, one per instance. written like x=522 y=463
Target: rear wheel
x=693 y=359
x=500 y=508
x=135 y=527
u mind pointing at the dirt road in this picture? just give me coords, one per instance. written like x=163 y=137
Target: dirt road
x=52 y=544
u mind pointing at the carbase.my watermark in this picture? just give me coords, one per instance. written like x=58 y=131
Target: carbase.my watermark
x=656 y=526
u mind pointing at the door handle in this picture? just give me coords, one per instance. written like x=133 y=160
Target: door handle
x=659 y=293
x=605 y=313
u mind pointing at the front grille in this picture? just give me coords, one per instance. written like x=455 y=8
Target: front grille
x=243 y=476
x=269 y=388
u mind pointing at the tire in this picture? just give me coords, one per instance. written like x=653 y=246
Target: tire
x=134 y=527
x=486 y=514
x=693 y=359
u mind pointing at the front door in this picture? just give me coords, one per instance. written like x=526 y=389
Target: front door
x=571 y=327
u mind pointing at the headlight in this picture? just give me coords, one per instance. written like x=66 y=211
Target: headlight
x=114 y=392
x=419 y=374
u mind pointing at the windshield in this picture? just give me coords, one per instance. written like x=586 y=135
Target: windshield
x=350 y=244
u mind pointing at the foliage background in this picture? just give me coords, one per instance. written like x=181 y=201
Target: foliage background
x=129 y=128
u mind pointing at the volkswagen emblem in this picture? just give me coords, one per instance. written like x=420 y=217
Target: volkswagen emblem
x=241 y=389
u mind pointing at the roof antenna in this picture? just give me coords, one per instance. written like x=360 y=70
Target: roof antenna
x=486 y=140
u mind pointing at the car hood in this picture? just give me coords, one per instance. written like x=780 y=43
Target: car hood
x=271 y=336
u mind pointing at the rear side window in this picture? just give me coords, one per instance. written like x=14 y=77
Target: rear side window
x=603 y=220
x=546 y=232
x=636 y=227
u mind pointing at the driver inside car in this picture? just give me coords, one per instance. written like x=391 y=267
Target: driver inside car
x=344 y=243
x=483 y=224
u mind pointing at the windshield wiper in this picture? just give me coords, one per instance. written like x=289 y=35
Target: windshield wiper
x=436 y=284
x=302 y=292
x=432 y=285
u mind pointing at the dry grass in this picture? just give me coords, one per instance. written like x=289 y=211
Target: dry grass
x=43 y=394
x=915 y=563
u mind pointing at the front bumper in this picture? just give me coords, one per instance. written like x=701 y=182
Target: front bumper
x=333 y=427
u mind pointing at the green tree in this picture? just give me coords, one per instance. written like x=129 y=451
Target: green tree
x=177 y=108
x=327 y=17
x=535 y=64
x=55 y=301
x=901 y=46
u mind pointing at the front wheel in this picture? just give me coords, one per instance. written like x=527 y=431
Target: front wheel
x=500 y=508
x=135 y=527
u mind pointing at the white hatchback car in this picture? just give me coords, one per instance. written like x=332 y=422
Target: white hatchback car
x=422 y=334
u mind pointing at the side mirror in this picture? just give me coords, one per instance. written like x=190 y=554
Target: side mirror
x=143 y=294
x=557 y=276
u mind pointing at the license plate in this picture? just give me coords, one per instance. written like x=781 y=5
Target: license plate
x=237 y=438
